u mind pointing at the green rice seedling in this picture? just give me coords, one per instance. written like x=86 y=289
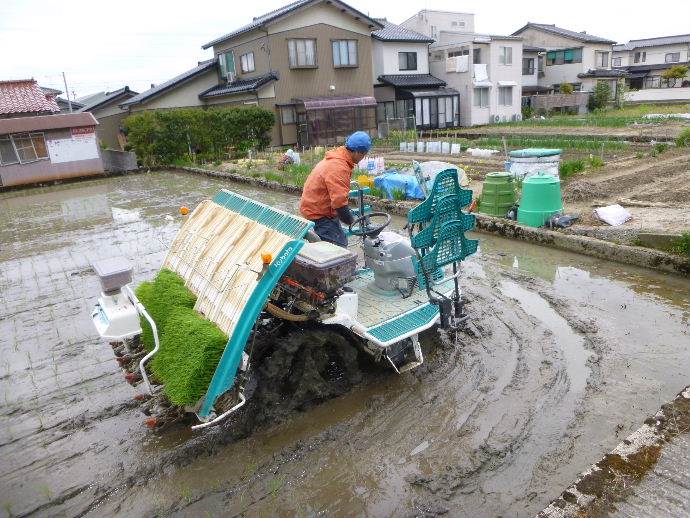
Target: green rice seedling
x=660 y=147
x=398 y=194
x=191 y=347
x=595 y=162
x=571 y=167
x=376 y=192
x=682 y=244
x=683 y=139
x=159 y=297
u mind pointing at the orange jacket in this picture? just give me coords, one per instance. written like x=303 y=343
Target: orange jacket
x=328 y=185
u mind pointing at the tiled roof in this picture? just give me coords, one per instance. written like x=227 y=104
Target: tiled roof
x=580 y=36
x=259 y=21
x=239 y=86
x=411 y=80
x=393 y=32
x=616 y=72
x=653 y=42
x=170 y=83
x=98 y=100
x=530 y=48
x=657 y=66
x=25 y=96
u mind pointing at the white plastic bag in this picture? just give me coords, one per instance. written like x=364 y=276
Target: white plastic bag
x=455 y=149
x=614 y=215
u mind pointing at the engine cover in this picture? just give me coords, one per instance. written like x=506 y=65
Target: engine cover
x=389 y=255
x=323 y=266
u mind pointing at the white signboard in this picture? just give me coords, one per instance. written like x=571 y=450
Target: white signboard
x=82 y=147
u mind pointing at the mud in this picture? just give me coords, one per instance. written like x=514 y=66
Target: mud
x=563 y=356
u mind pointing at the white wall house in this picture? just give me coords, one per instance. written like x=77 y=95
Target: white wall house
x=577 y=58
x=432 y=23
x=646 y=60
x=486 y=70
x=407 y=94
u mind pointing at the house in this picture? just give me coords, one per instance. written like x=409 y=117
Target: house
x=407 y=95
x=431 y=22
x=105 y=108
x=309 y=62
x=532 y=70
x=577 y=58
x=487 y=72
x=646 y=60
x=63 y=104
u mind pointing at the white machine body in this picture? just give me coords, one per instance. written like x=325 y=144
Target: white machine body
x=115 y=317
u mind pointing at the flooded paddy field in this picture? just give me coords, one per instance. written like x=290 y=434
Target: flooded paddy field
x=564 y=356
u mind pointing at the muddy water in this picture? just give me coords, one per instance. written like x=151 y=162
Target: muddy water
x=564 y=356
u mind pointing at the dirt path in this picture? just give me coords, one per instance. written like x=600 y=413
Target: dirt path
x=657 y=131
x=563 y=356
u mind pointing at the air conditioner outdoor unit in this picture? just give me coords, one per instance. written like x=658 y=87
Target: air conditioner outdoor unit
x=518 y=116
x=503 y=118
x=496 y=118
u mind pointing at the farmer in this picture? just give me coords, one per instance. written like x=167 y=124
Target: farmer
x=326 y=191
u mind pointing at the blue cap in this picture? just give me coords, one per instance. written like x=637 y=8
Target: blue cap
x=358 y=141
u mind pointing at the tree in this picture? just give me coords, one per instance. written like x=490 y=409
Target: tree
x=674 y=73
x=621 y=90
x=601 y=95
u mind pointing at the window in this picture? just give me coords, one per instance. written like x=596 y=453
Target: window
x=302 y=53
x=287 y=114
x=22 y=148
x=463 y=52
x=407 y=60
x=505 y=55
x=345 y=53
x=481 y=97
x=8 y=155
x=673 y=57
x=601 y=59
x=616 y=62
x=247 y=62
x=505 y=95
x=527 y=66
x=476 y=55
x=433 y=31
x=564 y=57
x=227 y=64
x=640 y=57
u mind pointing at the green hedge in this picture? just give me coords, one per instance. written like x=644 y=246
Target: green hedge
x=165 y=136
x=190 y=345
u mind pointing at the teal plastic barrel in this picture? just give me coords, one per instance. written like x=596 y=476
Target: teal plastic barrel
x=541 y=199
x=498 y=194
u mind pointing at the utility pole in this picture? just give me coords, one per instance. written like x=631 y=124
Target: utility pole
x=67 y=93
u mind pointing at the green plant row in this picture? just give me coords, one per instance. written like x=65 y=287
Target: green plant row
x=578 y=143
x=165 y=136
x=190 y=345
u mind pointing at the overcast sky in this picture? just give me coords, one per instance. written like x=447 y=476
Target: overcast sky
x=106 y=45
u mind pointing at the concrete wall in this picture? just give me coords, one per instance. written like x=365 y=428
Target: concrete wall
x=659 y=95
x=118 y=161
x=385 y=57
x=655 y=55
x=432 y=23
x=557 y=74
x=510 y=73
x=533 y=79
x=109 y=127
x=551 y=101
x=183 y=96
x=45 y=170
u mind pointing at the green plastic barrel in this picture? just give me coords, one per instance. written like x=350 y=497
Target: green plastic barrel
x=498 y=194
x=541 y=199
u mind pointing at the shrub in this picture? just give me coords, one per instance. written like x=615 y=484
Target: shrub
x=600 y=97
x=570 y=167
x=660 y=147
x=378 y=193
x=674 y=73
x=527 y=112
x=160 y=137
x=566 y=88
x=683 y=139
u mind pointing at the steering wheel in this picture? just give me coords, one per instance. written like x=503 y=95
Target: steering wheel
x=362 y=226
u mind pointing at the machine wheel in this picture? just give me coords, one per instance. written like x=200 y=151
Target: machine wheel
x=304 y=367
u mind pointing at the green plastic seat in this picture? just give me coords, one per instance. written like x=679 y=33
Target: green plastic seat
x=448 y=208
x=446 y=183
x=451 y=247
